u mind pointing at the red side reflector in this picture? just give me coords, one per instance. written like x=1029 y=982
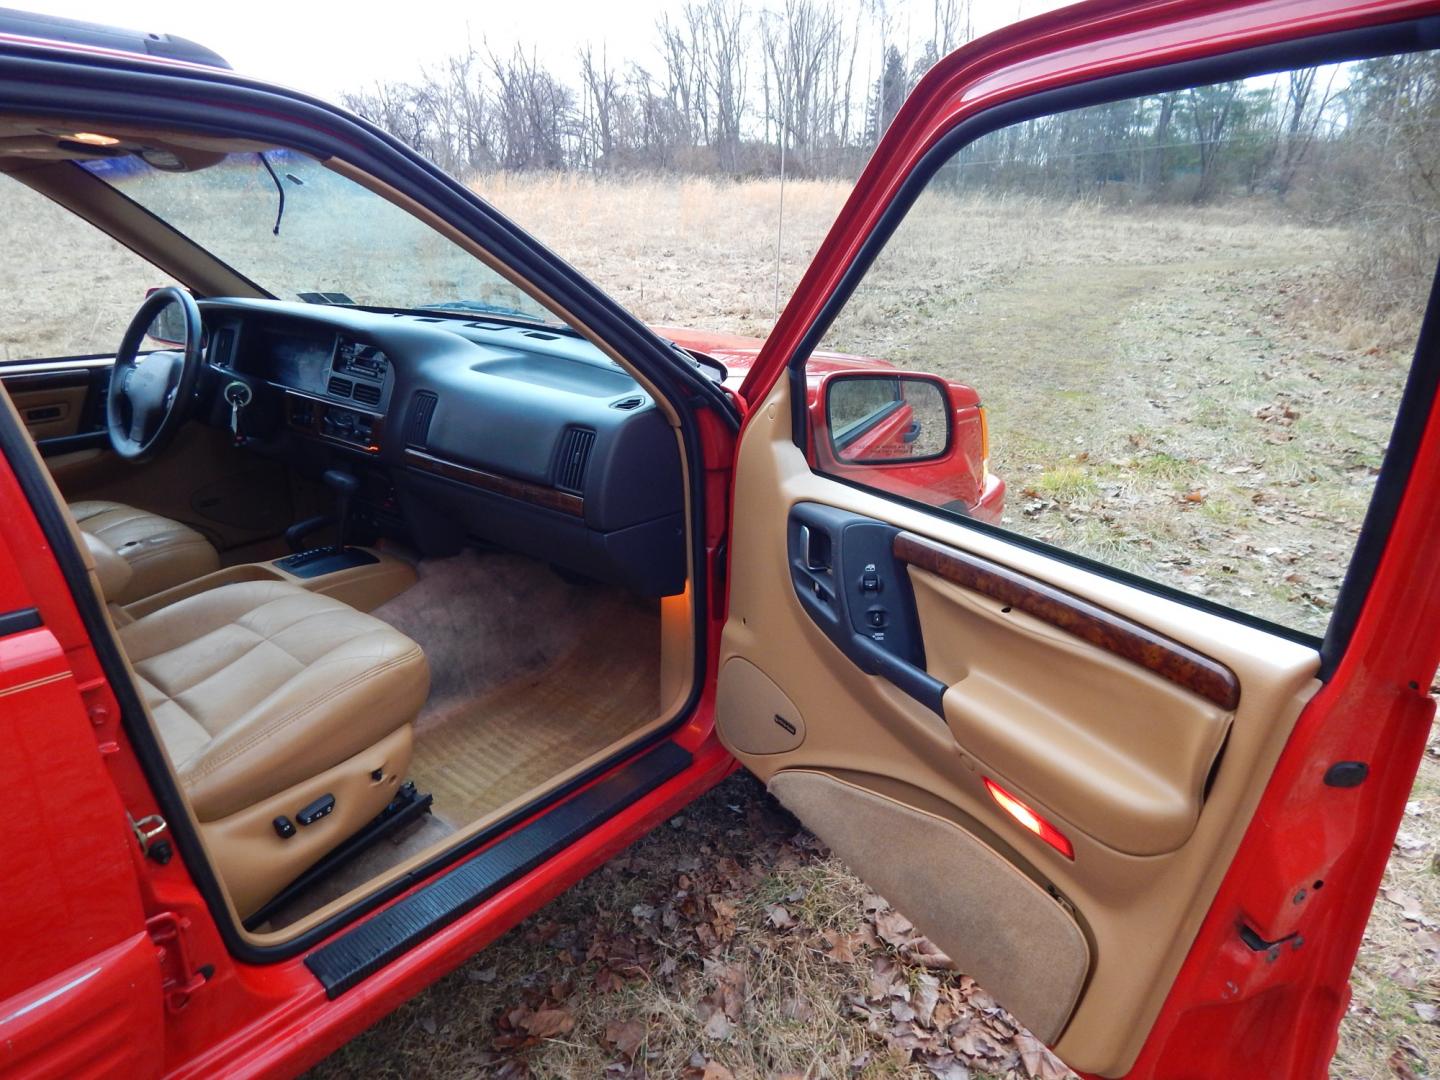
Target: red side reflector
x=1029 y=818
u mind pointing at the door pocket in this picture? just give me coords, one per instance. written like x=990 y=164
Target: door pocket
x=999 y=926
x=1120 y=752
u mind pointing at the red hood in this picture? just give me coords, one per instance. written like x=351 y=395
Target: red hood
x=738 y=353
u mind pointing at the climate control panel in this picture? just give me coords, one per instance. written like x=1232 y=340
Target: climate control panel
x=355 y=428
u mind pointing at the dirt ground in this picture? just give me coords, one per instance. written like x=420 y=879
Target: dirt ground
x=1232 y=458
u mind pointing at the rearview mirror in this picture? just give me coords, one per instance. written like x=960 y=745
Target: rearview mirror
x=886 y=419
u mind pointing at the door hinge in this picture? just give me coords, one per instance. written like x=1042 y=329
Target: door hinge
x=149 y=834
x=179 y=978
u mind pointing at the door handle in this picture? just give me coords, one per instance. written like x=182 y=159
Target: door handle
x=816 y=548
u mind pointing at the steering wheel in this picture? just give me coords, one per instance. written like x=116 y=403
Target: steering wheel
x=151 y=396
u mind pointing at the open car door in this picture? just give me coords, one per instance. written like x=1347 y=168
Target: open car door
x=1097 y=753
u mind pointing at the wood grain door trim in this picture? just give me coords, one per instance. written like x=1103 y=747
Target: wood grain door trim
x=1125 y=638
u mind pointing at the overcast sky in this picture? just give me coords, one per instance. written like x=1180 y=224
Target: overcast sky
x=325 y=48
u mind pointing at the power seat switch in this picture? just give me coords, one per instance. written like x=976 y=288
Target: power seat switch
x=284 y=827
x=318 y=809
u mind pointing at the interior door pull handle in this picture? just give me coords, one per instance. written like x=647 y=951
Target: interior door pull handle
x=816 y=555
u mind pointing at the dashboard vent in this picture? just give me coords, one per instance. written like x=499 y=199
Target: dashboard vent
x=338 y=387
x=421 y=412
x=574 y=456
x=366 y=394
x=626 y=404
x=224 y=345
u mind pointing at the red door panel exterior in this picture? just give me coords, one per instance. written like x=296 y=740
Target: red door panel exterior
x=79 y=985
x=98 y=1018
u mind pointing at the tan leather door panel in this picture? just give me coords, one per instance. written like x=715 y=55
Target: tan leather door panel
x=51 y=406
x=1119 y=756
x=1114 y=748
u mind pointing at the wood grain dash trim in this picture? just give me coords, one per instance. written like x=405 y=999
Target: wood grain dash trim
x=1078 y=617
x=538 y=494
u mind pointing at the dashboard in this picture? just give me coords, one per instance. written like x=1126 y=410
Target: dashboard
x=462 y=430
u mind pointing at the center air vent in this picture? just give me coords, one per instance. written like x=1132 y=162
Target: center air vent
x=339 y=387
x=572 y=459
x=421 y=411
x=366 y=394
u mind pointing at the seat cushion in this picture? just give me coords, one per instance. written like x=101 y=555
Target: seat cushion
x=259 y=685
x=161 y=552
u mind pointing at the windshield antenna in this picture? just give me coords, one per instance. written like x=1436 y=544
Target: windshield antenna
x=279 y=188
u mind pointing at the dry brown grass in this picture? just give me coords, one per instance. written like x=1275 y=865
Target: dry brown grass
x=683 y=251
x=726 y=944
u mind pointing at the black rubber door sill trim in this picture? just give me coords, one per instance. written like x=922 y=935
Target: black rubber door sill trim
x=354 y=956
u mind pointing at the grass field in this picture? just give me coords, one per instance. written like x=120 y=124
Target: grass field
x=1199 y=396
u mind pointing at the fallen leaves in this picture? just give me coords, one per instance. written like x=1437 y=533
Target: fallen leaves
x=1277 y=412
x=626 y=1036
x=738 y=950
x=722 y=1006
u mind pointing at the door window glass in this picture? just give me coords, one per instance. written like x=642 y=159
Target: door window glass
x=70 y=290
x=1187 y=319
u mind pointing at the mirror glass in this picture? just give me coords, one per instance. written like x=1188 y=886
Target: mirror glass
x=168 y=326
x=881 y=419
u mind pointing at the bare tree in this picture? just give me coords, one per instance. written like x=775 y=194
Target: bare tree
x=604 y=95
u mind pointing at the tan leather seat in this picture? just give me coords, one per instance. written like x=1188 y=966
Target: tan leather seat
x=161 y=552
x=268 y=698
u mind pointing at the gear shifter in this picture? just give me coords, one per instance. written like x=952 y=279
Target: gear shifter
x=344 y=485
x=332 y=558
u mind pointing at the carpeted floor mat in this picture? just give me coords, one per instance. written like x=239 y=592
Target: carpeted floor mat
x=484 y=751
x=529 y=675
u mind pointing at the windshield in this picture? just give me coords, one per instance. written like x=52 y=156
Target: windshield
x=334 y=237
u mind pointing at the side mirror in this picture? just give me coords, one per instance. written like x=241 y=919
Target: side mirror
x=882 y=419
x=168 y=326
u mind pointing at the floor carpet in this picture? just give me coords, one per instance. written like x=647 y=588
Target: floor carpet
x=530 y=675
x=487 y=750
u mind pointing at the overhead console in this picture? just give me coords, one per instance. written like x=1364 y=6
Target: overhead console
x=521 y=436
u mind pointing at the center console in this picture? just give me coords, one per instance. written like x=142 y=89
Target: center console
x=364 y=578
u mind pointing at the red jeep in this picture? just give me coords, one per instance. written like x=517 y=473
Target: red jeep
x=380 y=577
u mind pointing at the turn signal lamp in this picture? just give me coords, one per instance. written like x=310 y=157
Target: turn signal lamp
x=1029 y=818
